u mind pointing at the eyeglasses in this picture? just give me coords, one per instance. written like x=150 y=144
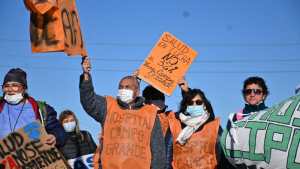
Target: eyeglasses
x=255 y=91
x=197 y=102
x=14 y=86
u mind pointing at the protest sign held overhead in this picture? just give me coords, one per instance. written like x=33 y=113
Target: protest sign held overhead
x=55 y=27
x=23 y=149
x=266 y=139
x=167 y=62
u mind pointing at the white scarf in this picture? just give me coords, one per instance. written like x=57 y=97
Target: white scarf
x=192 y=124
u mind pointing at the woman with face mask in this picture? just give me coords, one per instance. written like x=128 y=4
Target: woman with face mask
x=79 y=146
x=193 y=138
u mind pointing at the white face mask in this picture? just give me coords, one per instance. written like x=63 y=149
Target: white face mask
x=69 y=126
x=14 y=99
x=125 y=95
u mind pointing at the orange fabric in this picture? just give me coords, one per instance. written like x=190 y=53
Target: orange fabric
x=55 y=26
x=163 y=118
x=96 y=158
x=167 y=62
x=126 y=137
x=199 y=152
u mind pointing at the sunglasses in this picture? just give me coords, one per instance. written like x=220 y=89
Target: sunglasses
x=255 y=91
x=197 y=102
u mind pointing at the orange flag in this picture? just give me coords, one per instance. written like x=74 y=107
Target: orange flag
x=55 y=26
x=167 y=63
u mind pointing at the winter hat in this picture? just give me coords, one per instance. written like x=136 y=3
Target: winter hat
x=16 y=75
x=154 y=96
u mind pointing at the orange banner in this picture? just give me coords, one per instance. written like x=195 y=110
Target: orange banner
x=55 y=26
x=167 y=63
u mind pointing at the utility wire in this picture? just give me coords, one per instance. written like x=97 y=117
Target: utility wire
x=129 y=44
x=126 y=70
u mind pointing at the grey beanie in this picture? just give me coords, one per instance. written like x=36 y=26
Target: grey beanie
x=16 y=75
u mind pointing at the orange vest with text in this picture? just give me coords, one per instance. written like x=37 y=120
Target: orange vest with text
x=199 y=152
x=126 y=136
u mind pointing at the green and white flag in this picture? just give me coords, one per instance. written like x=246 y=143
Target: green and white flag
x=266 y=139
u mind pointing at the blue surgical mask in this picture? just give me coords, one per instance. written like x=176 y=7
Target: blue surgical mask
x=196 y=110
x=69 y=126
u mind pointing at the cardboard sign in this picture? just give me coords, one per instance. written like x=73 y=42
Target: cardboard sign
x=55 y=26
x=83 y=162
x=266 y=139
x=23 y=149
x=167 y=63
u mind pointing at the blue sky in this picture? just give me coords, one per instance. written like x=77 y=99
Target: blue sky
x=235 y=39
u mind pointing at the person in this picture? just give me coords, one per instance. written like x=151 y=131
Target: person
x=193 y=139
x=297 y=90
x=132 y=135
x=255 y=92
x=79 y=143
x=156 y=98
x=18 y=108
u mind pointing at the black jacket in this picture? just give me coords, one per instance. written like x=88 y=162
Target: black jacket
x=75 y=146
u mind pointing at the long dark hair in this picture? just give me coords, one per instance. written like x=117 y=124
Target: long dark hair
x=188 y=96
x=66 y=113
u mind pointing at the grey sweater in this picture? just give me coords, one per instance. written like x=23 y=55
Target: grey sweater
x=95 y=106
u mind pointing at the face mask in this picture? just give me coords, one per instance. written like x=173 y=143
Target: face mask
x=14 y=99
x=69 y=126
x=125 y=95
x=197 y=110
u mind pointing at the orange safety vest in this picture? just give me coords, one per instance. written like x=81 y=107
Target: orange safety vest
x=126 y=137
x=163 y=118
x=199 y=152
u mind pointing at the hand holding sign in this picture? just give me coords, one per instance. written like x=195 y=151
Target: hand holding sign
x=167 y=63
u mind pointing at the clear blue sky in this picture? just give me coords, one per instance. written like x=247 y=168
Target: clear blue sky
x=235 y=39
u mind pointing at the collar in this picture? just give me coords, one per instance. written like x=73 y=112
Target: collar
x=254 y=108
x=138 y=103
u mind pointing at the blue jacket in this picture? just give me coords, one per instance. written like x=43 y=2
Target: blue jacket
x=48 y=118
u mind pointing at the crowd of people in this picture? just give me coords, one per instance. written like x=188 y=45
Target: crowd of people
x=139 y=131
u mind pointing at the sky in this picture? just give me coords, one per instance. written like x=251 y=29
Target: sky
x=234 y=39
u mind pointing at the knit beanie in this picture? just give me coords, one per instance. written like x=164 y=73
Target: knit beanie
x=16 y=75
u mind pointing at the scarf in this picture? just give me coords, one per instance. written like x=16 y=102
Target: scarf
x=192 y=125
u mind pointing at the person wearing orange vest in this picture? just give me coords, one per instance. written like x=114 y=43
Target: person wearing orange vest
x=155 y=97
x=193 y=140
x=132 y=136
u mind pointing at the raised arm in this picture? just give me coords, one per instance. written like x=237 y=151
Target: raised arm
x=93 y=104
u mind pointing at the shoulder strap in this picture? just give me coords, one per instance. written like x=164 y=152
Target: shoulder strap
x=43 y=111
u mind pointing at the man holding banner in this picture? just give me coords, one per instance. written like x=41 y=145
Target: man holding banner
x=17 y=109
x=132 y=135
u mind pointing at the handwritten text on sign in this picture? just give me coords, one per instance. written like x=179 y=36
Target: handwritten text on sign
x=57 y=29
x=168 y=61
x=23 y=149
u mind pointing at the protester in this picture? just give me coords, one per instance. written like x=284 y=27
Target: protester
x=78 y=143
x=297 y=90
x=156 y=98
x=17 y=109
x=255 y=91
x=193 y=140
x=132 y=135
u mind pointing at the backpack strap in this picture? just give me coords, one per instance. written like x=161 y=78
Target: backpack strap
x=42 y=111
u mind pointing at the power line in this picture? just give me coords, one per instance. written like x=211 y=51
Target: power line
x=139 y=44
x=130 y=71
x=206 y=61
